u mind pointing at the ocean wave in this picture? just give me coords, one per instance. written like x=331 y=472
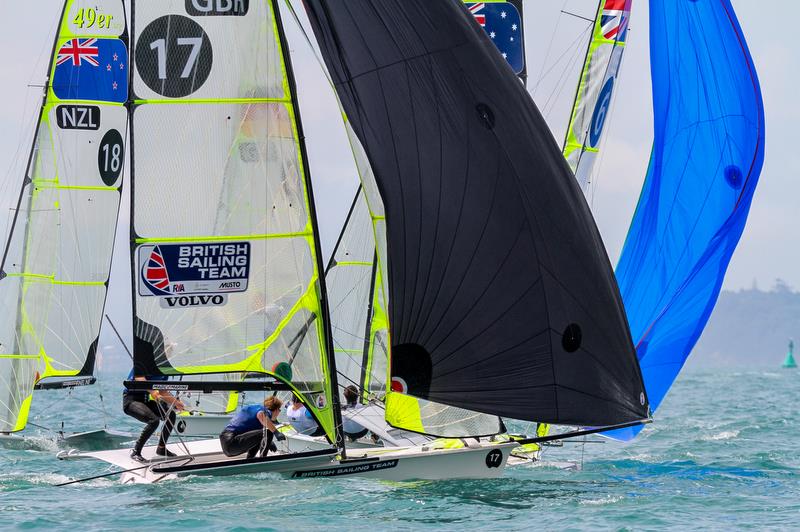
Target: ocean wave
x=721 y=436
x=603 y=501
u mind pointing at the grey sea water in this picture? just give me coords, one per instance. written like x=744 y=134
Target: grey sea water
x=723 y=454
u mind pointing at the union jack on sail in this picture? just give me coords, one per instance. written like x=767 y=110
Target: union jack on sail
x=78 y=51
x=614 y=20
x=155 y=271
x=475 y=9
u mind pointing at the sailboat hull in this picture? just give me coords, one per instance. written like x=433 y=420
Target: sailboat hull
x=205 y=458
x=417 y=463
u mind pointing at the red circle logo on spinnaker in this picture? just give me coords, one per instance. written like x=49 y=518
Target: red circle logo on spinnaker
x=399 y=385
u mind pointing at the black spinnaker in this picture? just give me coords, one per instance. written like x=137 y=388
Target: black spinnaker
x=502 y=299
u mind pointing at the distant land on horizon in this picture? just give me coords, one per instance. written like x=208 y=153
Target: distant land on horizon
x=749 y=328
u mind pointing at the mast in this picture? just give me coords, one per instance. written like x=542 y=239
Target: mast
x=519 y=4
x=366 y=356
x=333 y=380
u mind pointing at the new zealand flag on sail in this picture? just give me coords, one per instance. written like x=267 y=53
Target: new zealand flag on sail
x=92 y=69
x=503 y=23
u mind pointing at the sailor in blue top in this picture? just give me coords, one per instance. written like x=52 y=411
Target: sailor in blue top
x=150 y=407
x=245 y=432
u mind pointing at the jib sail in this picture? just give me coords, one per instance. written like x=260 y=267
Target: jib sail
x=706 y=161
x=501 y=298
x=596 y=88
x=358 y=320
x=56 y=263
x=224 y=241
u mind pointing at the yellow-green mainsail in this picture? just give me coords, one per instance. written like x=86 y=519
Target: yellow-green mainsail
x=57 y=260
x=218 y=160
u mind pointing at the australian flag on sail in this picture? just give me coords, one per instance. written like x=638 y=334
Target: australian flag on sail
x=614 y=20
x=92 y=69
x=503 y=23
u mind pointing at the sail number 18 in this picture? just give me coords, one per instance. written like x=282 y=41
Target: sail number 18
x=88 y=18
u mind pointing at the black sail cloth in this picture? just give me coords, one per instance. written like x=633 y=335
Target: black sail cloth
x=501 y=296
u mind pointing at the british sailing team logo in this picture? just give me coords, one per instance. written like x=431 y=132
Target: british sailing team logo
x=193 y=275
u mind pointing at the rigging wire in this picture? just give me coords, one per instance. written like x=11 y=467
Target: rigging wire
x=42 y=427
x=23 y=132
x=119 y=337
x=575 y=58
x=541 y=74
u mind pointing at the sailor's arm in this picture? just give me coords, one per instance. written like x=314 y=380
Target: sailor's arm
x=167 y=397
x=266 y=421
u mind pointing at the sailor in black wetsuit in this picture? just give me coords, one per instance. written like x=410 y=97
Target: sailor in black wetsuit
x=150 y=408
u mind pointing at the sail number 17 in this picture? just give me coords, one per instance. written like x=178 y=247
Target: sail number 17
x=174 y=56
x=87 y=18
x=160 y=46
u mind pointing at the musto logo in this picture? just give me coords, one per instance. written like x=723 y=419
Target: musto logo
x=193 y=275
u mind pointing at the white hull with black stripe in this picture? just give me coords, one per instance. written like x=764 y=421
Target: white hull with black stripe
x=205 y=458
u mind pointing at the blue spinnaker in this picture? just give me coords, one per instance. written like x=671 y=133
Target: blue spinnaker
x=707 y=156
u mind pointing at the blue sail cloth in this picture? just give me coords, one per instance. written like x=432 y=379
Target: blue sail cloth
x=707 y=156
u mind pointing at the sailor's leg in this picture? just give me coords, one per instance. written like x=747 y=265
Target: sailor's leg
x=144 y=413
x=270 y=446
x=169 y=422
x=236 y=444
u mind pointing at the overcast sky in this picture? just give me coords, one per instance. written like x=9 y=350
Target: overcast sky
x=555 y=44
